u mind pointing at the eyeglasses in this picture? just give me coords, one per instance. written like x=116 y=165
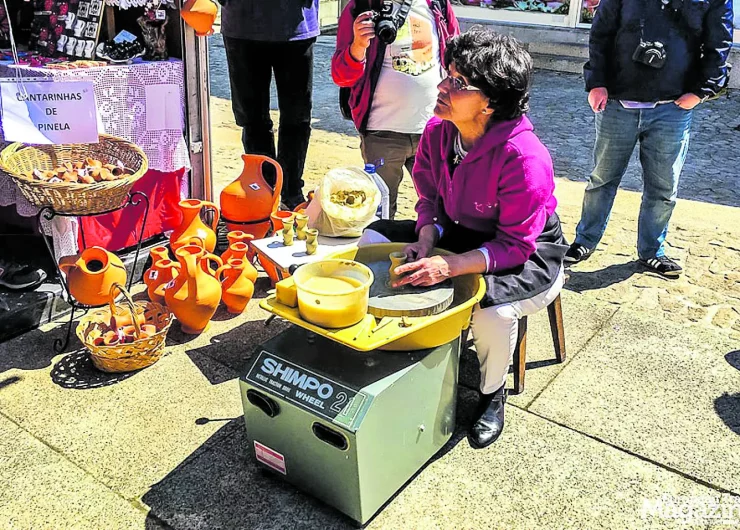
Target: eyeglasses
x=458 y=83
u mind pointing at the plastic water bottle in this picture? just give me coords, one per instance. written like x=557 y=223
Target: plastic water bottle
x=383 y=207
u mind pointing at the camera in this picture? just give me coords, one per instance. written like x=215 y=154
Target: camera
x=650 y=54
x=385 y=24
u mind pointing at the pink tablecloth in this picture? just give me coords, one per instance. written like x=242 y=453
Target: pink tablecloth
x=120 y=94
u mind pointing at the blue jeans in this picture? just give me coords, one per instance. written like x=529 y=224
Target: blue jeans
x=663 y=133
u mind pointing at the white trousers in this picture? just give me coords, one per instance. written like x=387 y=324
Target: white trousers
x=495 y=329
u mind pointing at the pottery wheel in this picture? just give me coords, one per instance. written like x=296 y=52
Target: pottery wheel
x=410 y=301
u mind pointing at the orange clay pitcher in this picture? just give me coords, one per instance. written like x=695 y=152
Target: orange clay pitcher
x=237 y=236
x=91 y=274
x=238 y=288
x=195 y=293
x=193 y=227
x=246 y=203
x=200 y=15
x=157 y=277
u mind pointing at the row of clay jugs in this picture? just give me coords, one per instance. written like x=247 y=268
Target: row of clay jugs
x=91 y=274
x=237 y=284
x=193 y=228
x=195 y=292
x=238 y=246
x=200 y=15
x=249 y=201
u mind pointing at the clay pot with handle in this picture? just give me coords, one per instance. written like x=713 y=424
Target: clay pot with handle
x=193 y=228
x=237 y=236
x=193 y=296
x=249 y=201
x=157 y=277
x=238 y=289
x=200 y=15
x=91 y=274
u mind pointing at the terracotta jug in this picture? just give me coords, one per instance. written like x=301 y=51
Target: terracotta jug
x=238 y=288
x=91 y=274
x=248 y=202
x=195 y=293
x=193 y=227
x=157 y=277
x=200 y=15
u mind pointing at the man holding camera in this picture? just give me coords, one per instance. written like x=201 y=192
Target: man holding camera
x=390 y=54
x=650 y=63
x=263 y=37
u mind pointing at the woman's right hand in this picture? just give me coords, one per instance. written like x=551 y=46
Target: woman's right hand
x=364 y=31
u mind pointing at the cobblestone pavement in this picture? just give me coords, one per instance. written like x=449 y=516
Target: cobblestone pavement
x=703 y=236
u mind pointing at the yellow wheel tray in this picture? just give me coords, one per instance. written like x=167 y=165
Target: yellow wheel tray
x=394 y=333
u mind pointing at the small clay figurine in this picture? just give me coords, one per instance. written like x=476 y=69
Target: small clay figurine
x=397 y=259
x=311 y=242
x=301 y=220
x=288 y=223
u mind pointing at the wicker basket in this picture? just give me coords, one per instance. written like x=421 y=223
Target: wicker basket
x=19 y=159
x=134 y=355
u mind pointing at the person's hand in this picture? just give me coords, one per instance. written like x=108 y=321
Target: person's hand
x=424 y=272
x=363 y=29
x=418 y=250
x=597 y=99
x=688 y=101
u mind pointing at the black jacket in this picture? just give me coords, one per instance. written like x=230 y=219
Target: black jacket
x=697 y=35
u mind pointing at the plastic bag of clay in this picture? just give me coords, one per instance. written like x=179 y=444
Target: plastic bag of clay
x=344 y=203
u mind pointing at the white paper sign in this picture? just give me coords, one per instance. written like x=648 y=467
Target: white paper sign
x=49 y=112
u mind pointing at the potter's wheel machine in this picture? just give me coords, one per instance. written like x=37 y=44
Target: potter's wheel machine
x=351 y=414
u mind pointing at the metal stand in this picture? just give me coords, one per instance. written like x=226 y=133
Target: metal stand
x=48 y=213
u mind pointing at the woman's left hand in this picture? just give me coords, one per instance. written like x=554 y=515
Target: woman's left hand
x=424 y=272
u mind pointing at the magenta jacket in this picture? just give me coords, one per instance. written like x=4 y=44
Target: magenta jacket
x=347 y=72
x=503 y=188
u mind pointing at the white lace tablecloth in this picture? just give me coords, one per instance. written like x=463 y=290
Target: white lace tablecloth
x=120 y=94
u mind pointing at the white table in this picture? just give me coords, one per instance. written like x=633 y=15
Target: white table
x=277 y=259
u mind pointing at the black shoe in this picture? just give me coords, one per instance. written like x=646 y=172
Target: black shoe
x=664 y=266
x=291 y=202
x=490 y=423
x=576 y=253
x=17 y=277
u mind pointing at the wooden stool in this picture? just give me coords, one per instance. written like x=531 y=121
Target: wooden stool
x=555 y=313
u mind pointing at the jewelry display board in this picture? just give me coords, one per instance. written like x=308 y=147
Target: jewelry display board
x=66 y=28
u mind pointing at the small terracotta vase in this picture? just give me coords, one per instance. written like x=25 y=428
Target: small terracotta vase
x=196 y=292
x=277 y=220
x=301 y=220
x=248 y=202
x=128 y=333
x=123 y=315
x=158 y=253
x=200 y=15
x=91 y=274
x=238 y=288
x=311 y=241
x=288 y=234
x=236 y=236
x=158 y=276
x=397 y=259
x=193 y=227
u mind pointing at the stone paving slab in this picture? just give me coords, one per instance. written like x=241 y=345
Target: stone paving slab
x=657 y=391
x=43 y=490
x=538 y=476
x=128 y=431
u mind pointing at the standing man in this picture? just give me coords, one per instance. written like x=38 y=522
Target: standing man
x=650 y=63
x=263 y=37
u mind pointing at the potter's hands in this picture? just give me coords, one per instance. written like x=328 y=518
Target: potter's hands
x=363 y=29
x=688 y=101
x=418 y=250
x=424 y=272
x=428 y=236
x=597 y=98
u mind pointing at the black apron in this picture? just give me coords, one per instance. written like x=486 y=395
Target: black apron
x=533 y=277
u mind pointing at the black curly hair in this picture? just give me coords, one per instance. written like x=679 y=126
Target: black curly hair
x=496 y=64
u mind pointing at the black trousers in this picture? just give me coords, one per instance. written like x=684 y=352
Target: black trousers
x=251 y=67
